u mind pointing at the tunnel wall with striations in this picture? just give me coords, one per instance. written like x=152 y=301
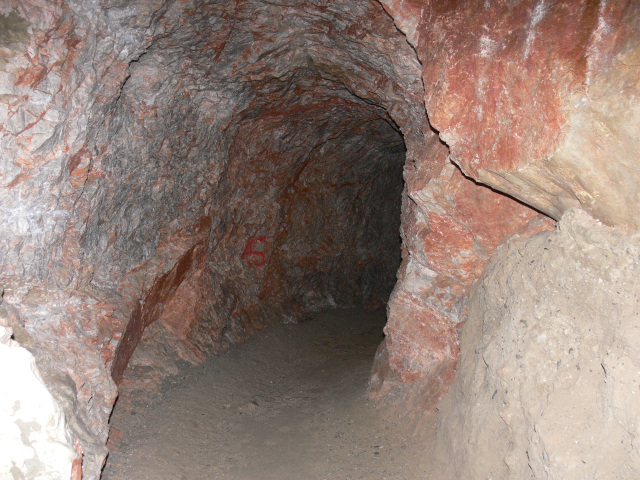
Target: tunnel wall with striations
x=207 y=165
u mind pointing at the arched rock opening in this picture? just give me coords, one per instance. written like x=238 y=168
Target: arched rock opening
x=227 y=165
x=187 y=162
x=268 y=165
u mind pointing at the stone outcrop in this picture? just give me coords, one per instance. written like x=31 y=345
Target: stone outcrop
x=533 y=99
x=523 y=91
x=206 y=166
x=548 y=374
x=450 y=228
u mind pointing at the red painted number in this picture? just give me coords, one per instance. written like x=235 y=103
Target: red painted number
x=254 y=258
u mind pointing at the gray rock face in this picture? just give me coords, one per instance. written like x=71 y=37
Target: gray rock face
x=209 y=165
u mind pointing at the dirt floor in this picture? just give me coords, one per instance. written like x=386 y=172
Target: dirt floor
x=289 y=404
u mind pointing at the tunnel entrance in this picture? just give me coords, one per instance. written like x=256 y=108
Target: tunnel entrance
x=282 y=183
x=248 y=171
x=311 y=223
x=309 y=218
x=314 y=198
x=179 y=175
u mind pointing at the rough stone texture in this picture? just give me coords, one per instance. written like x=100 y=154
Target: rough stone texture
x=208 y=165
x=534 y=97
x=450 y=229
x=62 y=64
x=548 y=378
x=281 y=143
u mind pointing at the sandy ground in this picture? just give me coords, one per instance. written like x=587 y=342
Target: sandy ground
x=289 y=404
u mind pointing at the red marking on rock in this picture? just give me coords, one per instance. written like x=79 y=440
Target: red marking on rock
x=76 y=466
x=250 y=254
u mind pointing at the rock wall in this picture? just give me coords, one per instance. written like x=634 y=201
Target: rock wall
x=210 y=165
x=548 y=374
x=533 y=99
x=206 y=166
x=522 y=91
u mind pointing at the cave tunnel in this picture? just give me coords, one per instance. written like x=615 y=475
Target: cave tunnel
x=182 y=179
x=295 y=188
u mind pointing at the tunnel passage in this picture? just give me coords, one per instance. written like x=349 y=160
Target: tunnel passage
x=244 y=161
x=123 y=124
x=269 y=166
x=314 y=186
x=198 y=166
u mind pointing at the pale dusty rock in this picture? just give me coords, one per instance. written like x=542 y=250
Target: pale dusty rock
x=36 y=442
x=549 y=378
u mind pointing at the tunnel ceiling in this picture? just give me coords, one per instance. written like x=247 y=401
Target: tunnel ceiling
x=206 y=165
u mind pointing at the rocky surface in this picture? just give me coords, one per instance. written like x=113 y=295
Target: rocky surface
x=201 y=163
x=207 y=164
x=533 y=97
x=35 y=439
x=450 y=229
x=548 y=378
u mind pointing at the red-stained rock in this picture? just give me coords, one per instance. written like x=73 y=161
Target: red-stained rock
x=152 y=307
x=517 y=91
x=181 y=173
x=125 y=126
x=451 y=229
